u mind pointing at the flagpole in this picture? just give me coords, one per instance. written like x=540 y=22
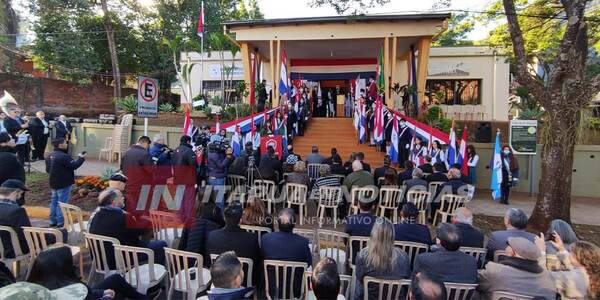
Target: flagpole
x=201 y=52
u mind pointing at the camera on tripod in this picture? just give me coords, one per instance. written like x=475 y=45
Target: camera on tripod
x=218 y=146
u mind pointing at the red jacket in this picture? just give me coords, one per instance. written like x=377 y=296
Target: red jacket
x=372 y=90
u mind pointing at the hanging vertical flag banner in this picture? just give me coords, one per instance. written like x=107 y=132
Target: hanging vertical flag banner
x=252 y=93
x=379 y=72
x=378 y=122
x=452 y=146
x=362 y=132
x=283 y=85
x=201 y=21
x=236 y=143
x=462 y=152
x=394 y=149
x=187 y=124
x=496 y=170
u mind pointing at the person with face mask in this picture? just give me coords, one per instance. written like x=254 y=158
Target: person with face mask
x=510 y=169
x=404 y=139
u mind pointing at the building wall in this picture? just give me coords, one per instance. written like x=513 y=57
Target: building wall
x=210 y=69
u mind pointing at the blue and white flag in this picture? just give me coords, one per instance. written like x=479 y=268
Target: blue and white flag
x=496 y=170
x=362 y=131
x=284 y=137
x=452 y=147
x=394 y=148
x=283 y=84
x=236 y=142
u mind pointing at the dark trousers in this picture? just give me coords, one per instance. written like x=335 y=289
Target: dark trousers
x=158 y=247
x=39 y=143
x=505 y=193
x=118 y=284
x=23 y=153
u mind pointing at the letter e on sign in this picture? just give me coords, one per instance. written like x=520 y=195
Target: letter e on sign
x=147 y=97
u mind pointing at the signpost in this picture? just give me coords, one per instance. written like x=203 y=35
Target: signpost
x=147 y=99
x=523 y=140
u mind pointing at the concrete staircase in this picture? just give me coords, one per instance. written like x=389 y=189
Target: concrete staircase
x=327 y=133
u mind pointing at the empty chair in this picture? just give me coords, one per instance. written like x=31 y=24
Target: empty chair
x=247 y=266
x=501 y=295
x=186 y=273
x=389 y=199
x=329 y=197
x=96 y=244
x=296 y=195
x=460 y=291
x=18 y=257
x=357 y=194
x=258 y=230
x=166 y=226
x=74 y=223
x=333 y=244
x=283 y=279
x=141 y=276
x=36 y=241
x=386 y=289
x=478 y=253
x=265 y=191
x=412 y=249
x=106 y=151
x=447 y=206
x=419 y=199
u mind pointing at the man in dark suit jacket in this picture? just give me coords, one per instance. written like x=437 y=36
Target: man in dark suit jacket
x=361 y=224
x=470 y=236
x=438 y=173
x=233 y=238
x=63 y=127
x=39 y=127
x=515 y=221
x=427 y=167
x=407 y=173
x=380 y=172
x=13 y=215
x=408 y=229
x=286 y=245
x=10 y=167
x=270 y=167
x=448 y=263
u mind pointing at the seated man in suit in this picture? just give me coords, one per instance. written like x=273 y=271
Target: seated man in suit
x=361 y=224
x=227 y=277
x=288 y=246
x=455 y=185
x=380 y=172
x=407 y=173
x=438 y=173
x=427 y=167
x=448 y=263
x=417 y=183
x=409 y=230
x=360 y=156
x=233 y=238
x=471 y=236
x=515 y=221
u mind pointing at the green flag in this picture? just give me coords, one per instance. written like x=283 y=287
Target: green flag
x=380 y=77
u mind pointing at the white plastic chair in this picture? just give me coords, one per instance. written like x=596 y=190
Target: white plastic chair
x=140 y=276
x=412 y=249
x=478 y=253
x=360 y=193
x=447 y=207
x=281 y=270
x=344 y=287
x=247 y=266
x=333 y=244
x=265 y=191
x=258 y=230
x=166 y=226
x=97 y=245
x=182 y=266
x=419 y=199
x=36 y=241
x=74 y=223
x=106 y=151
x=296 y=195
x=389 y=199
x=329 y=197
x=19 y=257
x=387 y=288
x=460 y=291
x=309 y=234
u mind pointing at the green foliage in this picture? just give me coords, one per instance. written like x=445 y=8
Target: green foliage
x=435 y=118
x=241 y=89
x=459 y=25
x=528 y=107
x=593 y=123
x=352 y=6
x=127 y=104
x=235 y=111
x=166 y=107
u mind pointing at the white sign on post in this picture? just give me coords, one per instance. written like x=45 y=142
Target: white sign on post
x=147 y=97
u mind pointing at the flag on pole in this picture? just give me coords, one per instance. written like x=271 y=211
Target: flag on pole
x=283 y=85
x=357 y=88
x=201 y=21
x=462 y=152
x=496 y=170
x=236 y=144
x=394 y=149
x=430 y=143
x=284 y=140
x=252 y=93
x=452 y=146
x=378 y=122
x=362 y=131
x=218 y=125
x=187 y=124
x=379 y=71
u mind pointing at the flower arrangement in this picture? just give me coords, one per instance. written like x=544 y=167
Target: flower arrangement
x=91 y=183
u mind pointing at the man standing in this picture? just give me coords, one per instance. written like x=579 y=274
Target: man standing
x=262 y=95
x=39 y=127
x=184 y=171
x=404 y=140
x=64 y=129
x=218 y=164
x=372 y=91
x=61 y=168
x=10 y=167
x=137 y=166
x=13 y=124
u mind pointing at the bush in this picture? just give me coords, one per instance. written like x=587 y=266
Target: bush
x=166 y=107
x=435 y=118
x=594 y=123
x=127 y=104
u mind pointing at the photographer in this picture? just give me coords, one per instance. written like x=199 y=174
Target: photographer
x=203 y=137
x=161 y=154
x=219 y=160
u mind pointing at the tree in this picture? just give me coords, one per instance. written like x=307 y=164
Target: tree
x=112 y=49
x=354 y=6
x=564 y=95
x=459 y=26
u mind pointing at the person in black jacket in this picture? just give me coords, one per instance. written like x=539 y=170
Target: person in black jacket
x=112 y=221
x=270 y=167
x=13 y=215
x=10 y=167
x=438 y=173
x=63 y=128
x=13 y=124
x=184 y=173
x=471 y=236
x=380 y=172
x=39 y=127
x=61 y=168
x=407 y=173
x=427 y=167
x=137 y=166
x=234 y=238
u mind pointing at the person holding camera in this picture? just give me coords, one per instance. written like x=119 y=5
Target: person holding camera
x=61 y=168
x=218 y=164
x=161 y=155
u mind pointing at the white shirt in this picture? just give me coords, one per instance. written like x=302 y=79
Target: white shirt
x=45 y=123
x=473 y=161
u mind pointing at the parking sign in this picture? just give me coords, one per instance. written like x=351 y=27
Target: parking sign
x=147 y=97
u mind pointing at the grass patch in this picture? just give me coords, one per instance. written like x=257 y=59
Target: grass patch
x=34 y=177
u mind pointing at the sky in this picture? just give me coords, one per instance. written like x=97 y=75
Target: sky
x=301 y=8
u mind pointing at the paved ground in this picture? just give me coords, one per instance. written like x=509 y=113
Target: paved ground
x=91 y=166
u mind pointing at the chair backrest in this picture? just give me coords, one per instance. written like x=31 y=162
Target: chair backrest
x=330 y=195
x=501 y=295
x=335 y=244
x=478 y=253
x=460 y=291
x=236 y=180
x=339 y=176
x=162 y=222
x=13 y=239
x=96 y=244
x=309 y=234
x=179 y=264
x=284 y=279
x=73 y=217
x=356 y=243
x=264 y=189
x=451 y=202
x=313 y=171
x=129 y=260
x=36 y=239
x=258 y=230
x=247 y=266
x=345 y=285
x=418 y=198
x=390 y=197
x=386 y=288
x=412 y=249
x=433 y=189
x=367 y=192
x=296 y=193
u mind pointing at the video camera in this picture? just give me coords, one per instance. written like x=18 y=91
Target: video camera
x=219 y=146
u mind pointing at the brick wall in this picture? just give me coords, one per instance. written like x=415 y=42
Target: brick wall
x=59 y=96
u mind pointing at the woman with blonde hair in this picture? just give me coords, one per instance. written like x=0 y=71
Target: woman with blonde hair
x=380 y=259
x=580 y=274
x=255 y=214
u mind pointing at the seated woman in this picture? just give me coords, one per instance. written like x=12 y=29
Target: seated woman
x=566 y=233
x=579 y=277
x=325 y=179
x=208 y=218
x=54 y=269
x=299 y=175
x=255 y=214
x=380 y=259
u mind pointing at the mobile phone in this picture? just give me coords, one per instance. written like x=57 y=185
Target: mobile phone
x=84 y=152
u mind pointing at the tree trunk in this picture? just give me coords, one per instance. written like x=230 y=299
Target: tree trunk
x=114 y=59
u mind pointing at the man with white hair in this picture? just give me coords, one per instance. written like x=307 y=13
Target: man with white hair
x=358 y=177
x=471 y=236
x=160 y=152
x=39 y=127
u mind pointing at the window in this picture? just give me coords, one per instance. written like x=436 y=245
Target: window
x=454 y=91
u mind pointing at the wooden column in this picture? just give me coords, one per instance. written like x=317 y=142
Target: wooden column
x=272 y=65
x=392 y=103
x=423 y=47
x=386 y=68
x=247 y=65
